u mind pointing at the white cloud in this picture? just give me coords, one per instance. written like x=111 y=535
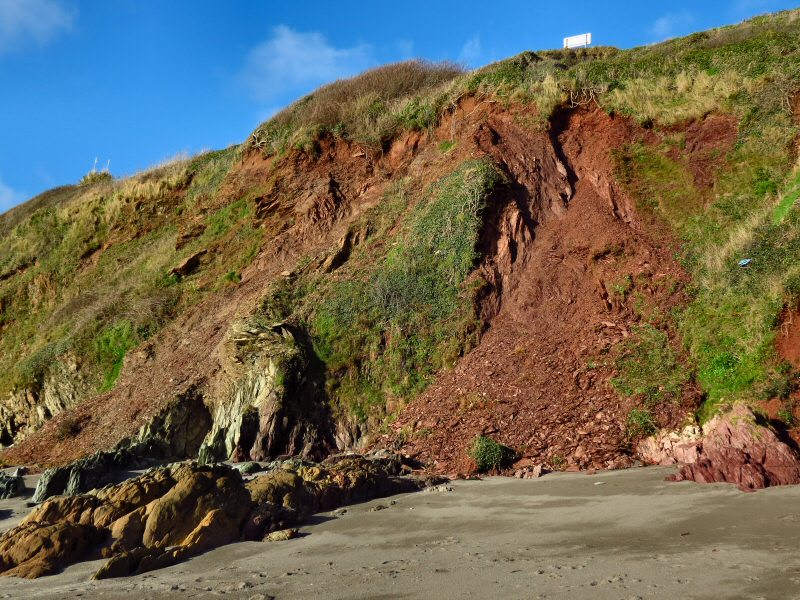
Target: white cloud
x=672 y=25
x=405 y=49
x=32 y=21
x=471 y=52
x=296 y=62
x=8 y=196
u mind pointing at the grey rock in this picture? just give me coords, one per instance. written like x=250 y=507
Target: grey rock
x=276 y=404
x=11 y=486
x=248 y=467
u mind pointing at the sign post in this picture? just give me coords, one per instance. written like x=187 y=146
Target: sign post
x=578 y=41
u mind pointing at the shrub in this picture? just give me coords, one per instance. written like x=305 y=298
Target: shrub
x=489 y=454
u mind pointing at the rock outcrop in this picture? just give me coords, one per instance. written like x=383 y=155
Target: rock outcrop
x=174 y=434
x=670 y=447
x=738 y=449
x=174 y=512
x=25 y=410
x=11 y=485
x=275 y=402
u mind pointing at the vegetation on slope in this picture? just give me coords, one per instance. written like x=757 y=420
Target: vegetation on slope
x=403 y=307
x=85 y=270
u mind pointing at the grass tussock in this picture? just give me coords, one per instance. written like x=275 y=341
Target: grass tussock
x=489 y=454
x=370 y=108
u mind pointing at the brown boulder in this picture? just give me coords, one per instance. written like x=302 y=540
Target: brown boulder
x=198 y=491
x=175 y=512
x=737 y=449
x=37 y=549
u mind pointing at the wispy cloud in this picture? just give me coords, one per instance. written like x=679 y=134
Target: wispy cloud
x=23 y=22
x=471 y=52
x=295 y=62
x=8 y=196
x=671 y=25
x=405 y=49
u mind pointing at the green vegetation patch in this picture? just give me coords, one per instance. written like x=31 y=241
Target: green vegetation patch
x=387 y=331
x=110 y=348
x=489 y=454
x=640 y=423
x=648 y=367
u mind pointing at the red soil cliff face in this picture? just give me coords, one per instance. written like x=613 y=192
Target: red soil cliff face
x=556 y=247
x=539 y=379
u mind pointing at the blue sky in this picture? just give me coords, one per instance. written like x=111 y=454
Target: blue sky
x=138 y=81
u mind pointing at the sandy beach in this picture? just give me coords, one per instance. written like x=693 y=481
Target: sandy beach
x=614 y=535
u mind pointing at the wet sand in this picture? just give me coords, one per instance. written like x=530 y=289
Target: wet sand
x=613 y=535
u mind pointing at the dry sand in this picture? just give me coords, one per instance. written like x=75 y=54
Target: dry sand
x=616 y=535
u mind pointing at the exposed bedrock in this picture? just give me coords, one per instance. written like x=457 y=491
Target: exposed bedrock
x=27 y=409
x=174 y=433
x=735 y=447
x=273 y=399
x=738 y=449
x=177 y=511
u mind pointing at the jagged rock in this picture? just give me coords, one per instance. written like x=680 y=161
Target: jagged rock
x=175 y=433
x=187 y=506
x=170 y=513
x=738 y=449
x=343 y=248
x=670 y=447
x=11 y=485
x=25 y=410
x=276 y=405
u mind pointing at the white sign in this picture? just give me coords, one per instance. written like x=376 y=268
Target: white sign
x=578 y=41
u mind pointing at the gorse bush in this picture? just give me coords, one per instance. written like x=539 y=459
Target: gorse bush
x=489 y=454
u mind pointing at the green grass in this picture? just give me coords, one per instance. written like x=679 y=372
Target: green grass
x=84 y=270
x=788 y=202
x=208 y=171
x=648 y=368
x=639 y=423
x=110 y=346
x=489 y=454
